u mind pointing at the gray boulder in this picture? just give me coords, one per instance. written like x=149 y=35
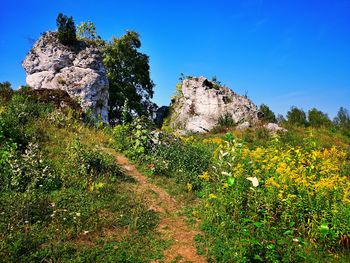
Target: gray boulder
x=274 y=128
x=201 y=103
x=77 y=69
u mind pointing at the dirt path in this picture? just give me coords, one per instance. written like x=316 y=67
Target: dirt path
x=171 y=226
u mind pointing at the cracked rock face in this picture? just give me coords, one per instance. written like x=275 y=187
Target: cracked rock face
x=202 y=102
x=77 y=70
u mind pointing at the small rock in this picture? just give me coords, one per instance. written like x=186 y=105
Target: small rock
x=243 y=126
x=273 y=128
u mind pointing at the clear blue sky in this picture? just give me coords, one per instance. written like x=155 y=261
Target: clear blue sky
x=281 y=53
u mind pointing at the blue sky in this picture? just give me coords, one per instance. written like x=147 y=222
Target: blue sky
x=281 y=53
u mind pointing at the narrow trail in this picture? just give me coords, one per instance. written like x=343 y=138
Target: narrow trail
x=171 y=226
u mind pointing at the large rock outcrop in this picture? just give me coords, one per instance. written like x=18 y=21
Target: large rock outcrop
x=77 y=69
x=200 y=103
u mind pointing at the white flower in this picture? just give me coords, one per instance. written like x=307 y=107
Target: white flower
x=254 y=181
x=78 y=214
x=295 y=240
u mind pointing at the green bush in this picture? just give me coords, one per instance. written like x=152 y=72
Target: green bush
x=19 y=113
x=29 y=172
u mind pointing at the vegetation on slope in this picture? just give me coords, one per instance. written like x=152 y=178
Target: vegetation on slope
x=262 y=197
x=62 y=198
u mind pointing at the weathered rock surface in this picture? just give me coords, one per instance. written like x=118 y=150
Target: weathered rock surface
x=202 y=102
x=77 y=69
x=274 y=128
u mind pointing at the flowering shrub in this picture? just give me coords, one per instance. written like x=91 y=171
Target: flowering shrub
x=275 y=202
x=28 y=172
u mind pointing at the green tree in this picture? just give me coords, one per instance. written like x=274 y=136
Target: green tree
x=296 y=117
x=269 y=116
x=128 y=73
x=318 y=118
x=5 y=91
x=65 y=30
x=87 y=31
x=281 y=120
x=342 y=119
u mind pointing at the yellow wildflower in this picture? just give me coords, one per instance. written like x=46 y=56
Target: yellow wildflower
x=212 y=196
x=204 y=176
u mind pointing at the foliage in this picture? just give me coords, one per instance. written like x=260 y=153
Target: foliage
x=296 y=116
x=275 y=203
x=126 y=116
x=65 y=30
x=62 y=200
x=225 y=122
x=318 y=118
x=87 y=31
x=269 y=116
x=134 y=139
x=129 y=76
x=17 y=118
x=5 y=91
x=29 y=172
x=262 y=199
x=342 y=121
x=180 y=158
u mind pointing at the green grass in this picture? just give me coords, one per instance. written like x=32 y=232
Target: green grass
x=91 y=214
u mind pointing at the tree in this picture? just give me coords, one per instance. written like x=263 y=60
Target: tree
x=342 y=119
x=269 y=116
x=5 y=91
x=128 y=73
x=318 y=118
x=281 y=120
x=296 y=117
x=65 y=30
x=87 y=31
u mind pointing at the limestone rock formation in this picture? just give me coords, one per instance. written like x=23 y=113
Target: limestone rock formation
x=77 y=69
x=201 y=103
x=274 y=128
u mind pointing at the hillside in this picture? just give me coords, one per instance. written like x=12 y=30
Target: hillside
x=68 y=194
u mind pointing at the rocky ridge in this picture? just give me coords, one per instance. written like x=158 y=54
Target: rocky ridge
x=77 y=69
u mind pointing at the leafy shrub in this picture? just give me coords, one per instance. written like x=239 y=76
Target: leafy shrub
x=121 y=137
x=29 y=172
x=135 y=139
x=225 y=122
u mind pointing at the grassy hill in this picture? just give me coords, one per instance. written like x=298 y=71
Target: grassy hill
x=246 y=196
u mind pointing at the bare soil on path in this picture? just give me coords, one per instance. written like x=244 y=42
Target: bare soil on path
x=171 y=226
